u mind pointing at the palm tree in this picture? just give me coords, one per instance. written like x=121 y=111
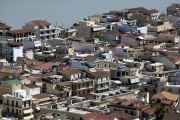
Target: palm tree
x=160 y=111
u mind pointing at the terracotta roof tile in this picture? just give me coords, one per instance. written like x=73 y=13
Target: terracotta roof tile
x=21 y=31
x=165 y=95
x=91 y=58
x=70 y=71
x=153 y=11
x=38 y=23
x=30 y=85
x=99 y=73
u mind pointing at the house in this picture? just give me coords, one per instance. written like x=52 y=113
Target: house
x=173 y=10
x=89 y=28
x=14 y=71
x=132 y=107
x=69 y=50
x=154 y=67
x=21 y=35
x=82 y=86
x=167 y=99
x=43 y=98
x=171 y=116
x=154 y=14
x=93 y=61
x=9 y=86
x=3 y=62
x=43 y=29
x=11 y=50
x=71 y=74
x=85 y=46
x=102 y=82
x=113 y=116
x=112 y=36
x=18 y=105
x=32 y=89
x=168 y=38
x=4 y=28
x=78 y=64
x=157 y=26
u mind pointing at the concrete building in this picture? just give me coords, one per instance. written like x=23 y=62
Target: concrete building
x=102 y=82
x=89 y=28
x=18 y=105
x=9 y=86
x=43 y=29
x=22 y=34
x=11 y=50
x=31 y=89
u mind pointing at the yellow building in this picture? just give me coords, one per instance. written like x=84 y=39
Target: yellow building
x=18 y=105
x=9 y=86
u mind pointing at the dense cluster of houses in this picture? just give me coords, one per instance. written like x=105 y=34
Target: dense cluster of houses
x=120 y=65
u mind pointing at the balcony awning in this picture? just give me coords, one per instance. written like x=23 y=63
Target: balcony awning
x=27 y=111
x=38 y=108
x=28 y=117
x=117 y=82
x=134 y=81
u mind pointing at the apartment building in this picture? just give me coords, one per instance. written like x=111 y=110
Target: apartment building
x=102 y=82
x=89 y=28
x=18 y=105
x=82 y=86
x=22 y=34
x=43 y=29
x=9 y=86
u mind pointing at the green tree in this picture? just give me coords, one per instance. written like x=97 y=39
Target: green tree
x=99 y=36
x=141 y=20
x=160 y=111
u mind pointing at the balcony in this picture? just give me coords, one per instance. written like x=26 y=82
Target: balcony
x=26 y=111
x=102 y=88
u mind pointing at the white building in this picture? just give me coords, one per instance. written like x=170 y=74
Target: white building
x=18 y=104
x=22 y=34
x=43 y=29
x=11 y=50
x=31 y=89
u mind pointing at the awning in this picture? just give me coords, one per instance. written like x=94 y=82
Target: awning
x=37 y=108
x=28 y=117
x=27 y=111
x=136 y=80
x=117 y=82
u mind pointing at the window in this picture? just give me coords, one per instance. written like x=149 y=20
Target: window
x=126 y=111
x=19 y=111
x=7 y=102
x=145 y=89
x=29 y=103
x=154 y=90
x=170 y=90
x=132 y=112
x=16 y=103
x=12 y=102
x=24 y=104
x=12 y=110
x=7 y=109
x=162 y=89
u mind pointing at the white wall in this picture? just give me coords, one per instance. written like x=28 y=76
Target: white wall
x=32 y=91
x=80 y=47
x=17 y=52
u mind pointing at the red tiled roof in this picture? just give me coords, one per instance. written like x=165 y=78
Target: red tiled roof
x=31 y=85
x=124 y=44
x=153 y=11
x=38 y=23
x=21 y=31
x=114 y=18
x=41 y=95
x=3 y=26
x=86 y=95
x=70 y=71
x=99 y=73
